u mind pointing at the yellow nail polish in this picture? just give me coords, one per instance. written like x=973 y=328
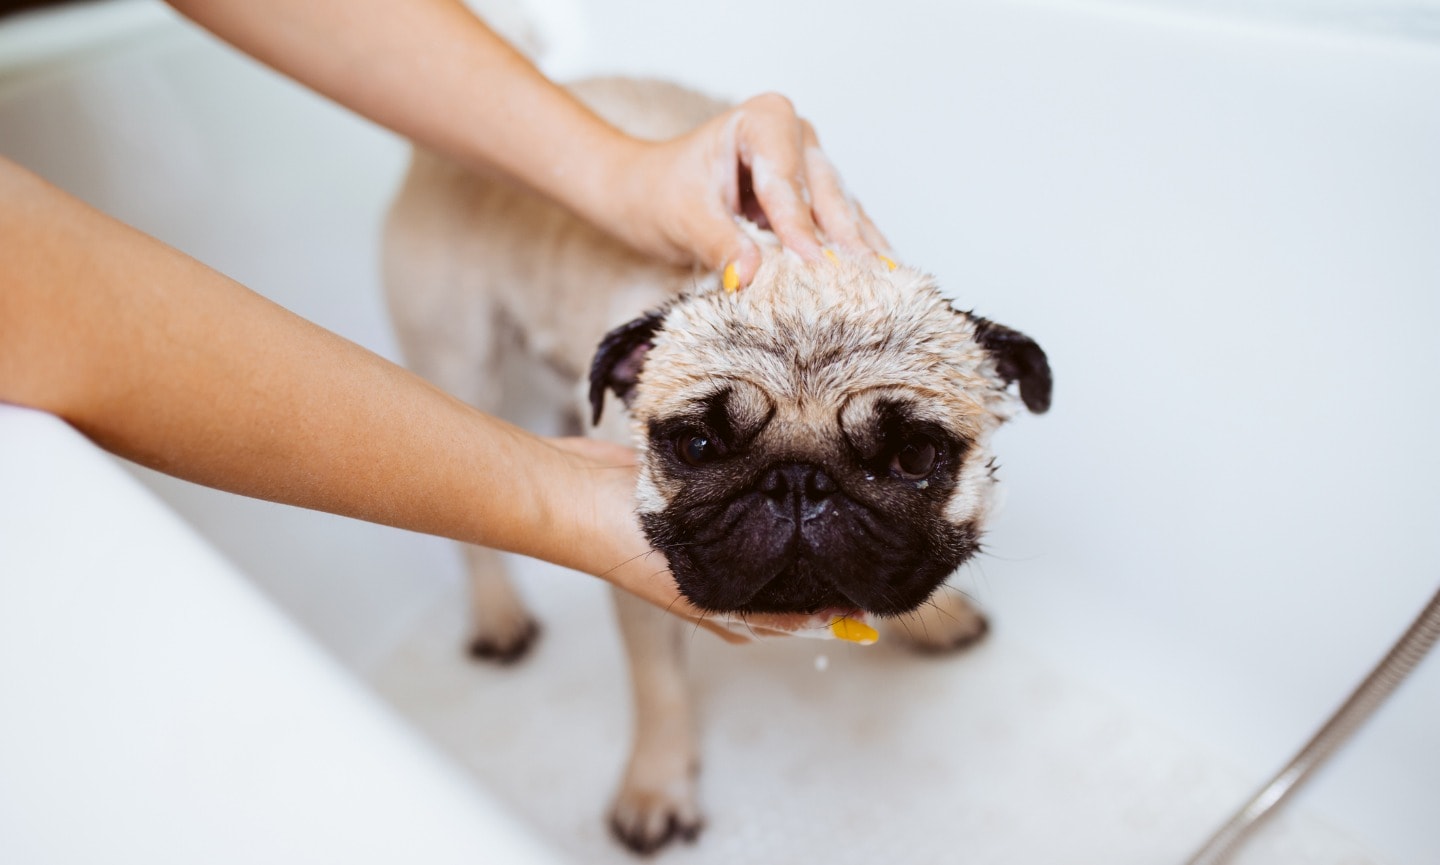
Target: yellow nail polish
x=853 y=631
x=889 y=262
x=830 y=254
x=730 y=279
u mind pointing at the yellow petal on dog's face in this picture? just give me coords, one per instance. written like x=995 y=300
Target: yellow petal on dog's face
x=730 y=279
x=889 y=262
x=853 y=631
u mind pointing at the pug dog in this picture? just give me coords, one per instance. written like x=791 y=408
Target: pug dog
x=818 y=441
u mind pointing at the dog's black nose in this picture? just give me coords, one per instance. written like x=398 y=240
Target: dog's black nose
x=798 y=491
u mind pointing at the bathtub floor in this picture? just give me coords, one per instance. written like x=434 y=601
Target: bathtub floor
x=989 y=757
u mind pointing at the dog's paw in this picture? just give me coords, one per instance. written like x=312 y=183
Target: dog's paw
x=946 y=623
x=505 y=645
x=647 y=820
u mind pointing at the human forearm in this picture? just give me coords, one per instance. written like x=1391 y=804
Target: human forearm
x=430 y=70
x=164 y=361
x=161 y=360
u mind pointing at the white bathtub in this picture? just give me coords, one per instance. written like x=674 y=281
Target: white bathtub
x=1226 y=233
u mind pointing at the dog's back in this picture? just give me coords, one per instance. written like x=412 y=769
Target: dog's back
x=462 y=250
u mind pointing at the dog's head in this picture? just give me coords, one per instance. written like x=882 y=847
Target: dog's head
x=819 y=439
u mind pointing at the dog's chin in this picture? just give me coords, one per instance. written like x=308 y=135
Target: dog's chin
x=798 y=589
x=730 y=581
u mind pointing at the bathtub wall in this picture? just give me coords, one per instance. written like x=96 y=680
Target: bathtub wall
x=1225 y=231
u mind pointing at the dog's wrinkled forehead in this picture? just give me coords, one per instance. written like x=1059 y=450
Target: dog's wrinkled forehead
x=804 y=334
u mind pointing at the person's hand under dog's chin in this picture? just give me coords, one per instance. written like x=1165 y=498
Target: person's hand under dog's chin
x=597 y=533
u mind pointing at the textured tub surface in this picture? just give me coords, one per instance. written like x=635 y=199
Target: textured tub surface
x=989 y=757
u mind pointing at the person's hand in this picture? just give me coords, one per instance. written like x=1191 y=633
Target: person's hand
x=600 y=508
x=679 y=199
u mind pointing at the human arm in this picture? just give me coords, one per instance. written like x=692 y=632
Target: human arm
x=432 y=71
x=161 y=360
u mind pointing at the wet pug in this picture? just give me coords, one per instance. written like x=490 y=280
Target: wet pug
x=818 y=441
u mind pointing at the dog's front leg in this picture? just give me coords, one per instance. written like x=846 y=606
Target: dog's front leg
x=656 y=802
x=503 y=631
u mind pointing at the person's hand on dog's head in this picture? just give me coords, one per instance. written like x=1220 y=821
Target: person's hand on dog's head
x=680 y=199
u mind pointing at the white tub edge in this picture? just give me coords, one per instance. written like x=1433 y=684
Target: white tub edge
x=158 y=709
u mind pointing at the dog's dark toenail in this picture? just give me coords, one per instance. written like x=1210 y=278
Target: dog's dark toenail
x=689 y=832
x=958 y=645
x=507 y=652
x=636 y=839
x=969 y=640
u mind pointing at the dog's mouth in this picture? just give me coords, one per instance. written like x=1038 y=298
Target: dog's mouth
x=795 y=549
x=714 y=578
x=808 y=585
x=798 y=586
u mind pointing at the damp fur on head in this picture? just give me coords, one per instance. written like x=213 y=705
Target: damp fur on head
x=818 y=365
x=807 y=328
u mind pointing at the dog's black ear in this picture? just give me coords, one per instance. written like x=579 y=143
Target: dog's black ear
x=1017 y=358
x=619 y=358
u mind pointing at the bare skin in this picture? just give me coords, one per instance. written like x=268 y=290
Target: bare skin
x=166 y=362
x=436 y=74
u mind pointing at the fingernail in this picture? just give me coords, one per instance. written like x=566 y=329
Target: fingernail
x=889 y=262
x=830 y=254
x=846 y=628
x=730 y=279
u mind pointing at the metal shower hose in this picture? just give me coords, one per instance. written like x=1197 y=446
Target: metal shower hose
x=1402 y=658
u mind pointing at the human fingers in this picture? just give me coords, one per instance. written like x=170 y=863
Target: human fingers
x=850 y=626
x=770 y=141
x=834 y=211
x=648 y=579
x=838 y=624
x=686 y=198
x=657 y=586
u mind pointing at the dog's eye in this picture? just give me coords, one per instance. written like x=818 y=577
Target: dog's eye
x=916 y=458
x=698 y=449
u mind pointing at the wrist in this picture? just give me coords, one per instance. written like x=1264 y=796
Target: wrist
x=570 y=499
x=604 y=183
